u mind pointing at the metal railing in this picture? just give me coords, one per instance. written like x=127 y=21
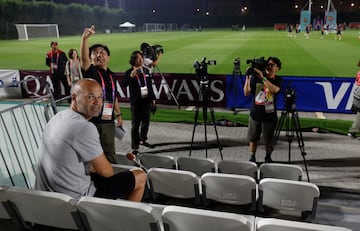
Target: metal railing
x=21 y=126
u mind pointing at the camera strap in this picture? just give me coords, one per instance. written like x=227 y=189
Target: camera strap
x=138 y=78
x=104 y=87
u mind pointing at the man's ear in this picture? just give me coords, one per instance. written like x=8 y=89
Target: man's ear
x=73 y=97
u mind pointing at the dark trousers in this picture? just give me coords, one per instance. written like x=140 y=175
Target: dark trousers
x=140 y=120
x=56 y=79
x=107 y=139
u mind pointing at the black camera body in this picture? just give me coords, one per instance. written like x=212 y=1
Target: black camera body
x=258 y=63
x=153 y=51
x=201 y=67
x=290 y=99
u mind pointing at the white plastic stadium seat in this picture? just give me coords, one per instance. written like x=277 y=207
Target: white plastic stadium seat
x=174 y=183
x=198 y=166
x=121 y=158
x=239 y=167
x=3 y=200
x=280 y=171
x=121 y=168
x=45 y=208
x=105 y=214
x=157 y=161
x=272 y=224
x=177 y=218
x=289 y=197
x=229 y=189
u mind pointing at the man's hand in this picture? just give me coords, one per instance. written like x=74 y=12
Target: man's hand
x=88 y=32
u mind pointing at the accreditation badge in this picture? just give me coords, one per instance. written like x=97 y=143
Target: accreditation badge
x=269 y=107
x=144 y=92
x=107 y=111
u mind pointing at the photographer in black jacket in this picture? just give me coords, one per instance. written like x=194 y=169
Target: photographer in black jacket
x=142 y=99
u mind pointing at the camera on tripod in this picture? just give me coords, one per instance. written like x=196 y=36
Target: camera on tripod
x=201 y=67
x=152 y=51
x=290 y=98
x=258 y=63
x=237 y=64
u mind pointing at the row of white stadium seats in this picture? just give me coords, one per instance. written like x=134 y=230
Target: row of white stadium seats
x=30 y=208
x=201 y=165
x=289 y=197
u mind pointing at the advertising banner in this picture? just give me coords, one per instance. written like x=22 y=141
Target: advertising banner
x=305 y=18
x=318 y=94
x=8 y=86
x=331 y=19
x=36 y=87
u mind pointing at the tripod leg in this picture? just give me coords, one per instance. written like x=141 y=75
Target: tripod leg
x=168 y=87
x=216 y=132
x=300 y=140
x=279 y=127
x=195 y=124
x=205 y=130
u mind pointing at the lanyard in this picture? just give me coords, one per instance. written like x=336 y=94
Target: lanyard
x=103 y=85
x=144 y=76
x=57 y=57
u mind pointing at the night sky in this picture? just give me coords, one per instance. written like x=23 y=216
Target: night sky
x=220 y=6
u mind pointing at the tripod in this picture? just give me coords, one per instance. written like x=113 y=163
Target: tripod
x=203 y=101
x=290 y=116
x=236 y=73
x=168 y=87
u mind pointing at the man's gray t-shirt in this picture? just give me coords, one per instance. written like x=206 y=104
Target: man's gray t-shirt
x=69 y=142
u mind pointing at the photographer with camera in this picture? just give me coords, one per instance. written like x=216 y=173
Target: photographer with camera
x=152 y=55
x=142 y=99
x=264 y=85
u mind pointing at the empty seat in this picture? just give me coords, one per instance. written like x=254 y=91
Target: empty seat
x=105 y=214
x=198 y=166
x=247 y=168
x=157 y=161
x=121 y=168
x=229 y=189
x=174 y=183
x=177 y=218
x=280 y=171
x=3 y=203
x=271 y=224
x=294 y=198
x=121 y=158
x=45 y=208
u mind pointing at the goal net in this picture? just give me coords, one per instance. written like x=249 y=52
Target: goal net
x=154 y=27
x=30 y=31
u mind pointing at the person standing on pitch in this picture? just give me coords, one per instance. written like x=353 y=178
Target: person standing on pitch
x=73 y=68
x=94 y=62
x=56 y=59
x=264 y=88
x=142 y=99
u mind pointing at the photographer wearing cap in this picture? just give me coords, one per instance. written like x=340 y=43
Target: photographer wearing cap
x=263 y=85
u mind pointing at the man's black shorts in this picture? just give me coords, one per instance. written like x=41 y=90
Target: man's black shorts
x=119 y=185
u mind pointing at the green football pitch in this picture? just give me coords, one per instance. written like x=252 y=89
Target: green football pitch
x=300 y=56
